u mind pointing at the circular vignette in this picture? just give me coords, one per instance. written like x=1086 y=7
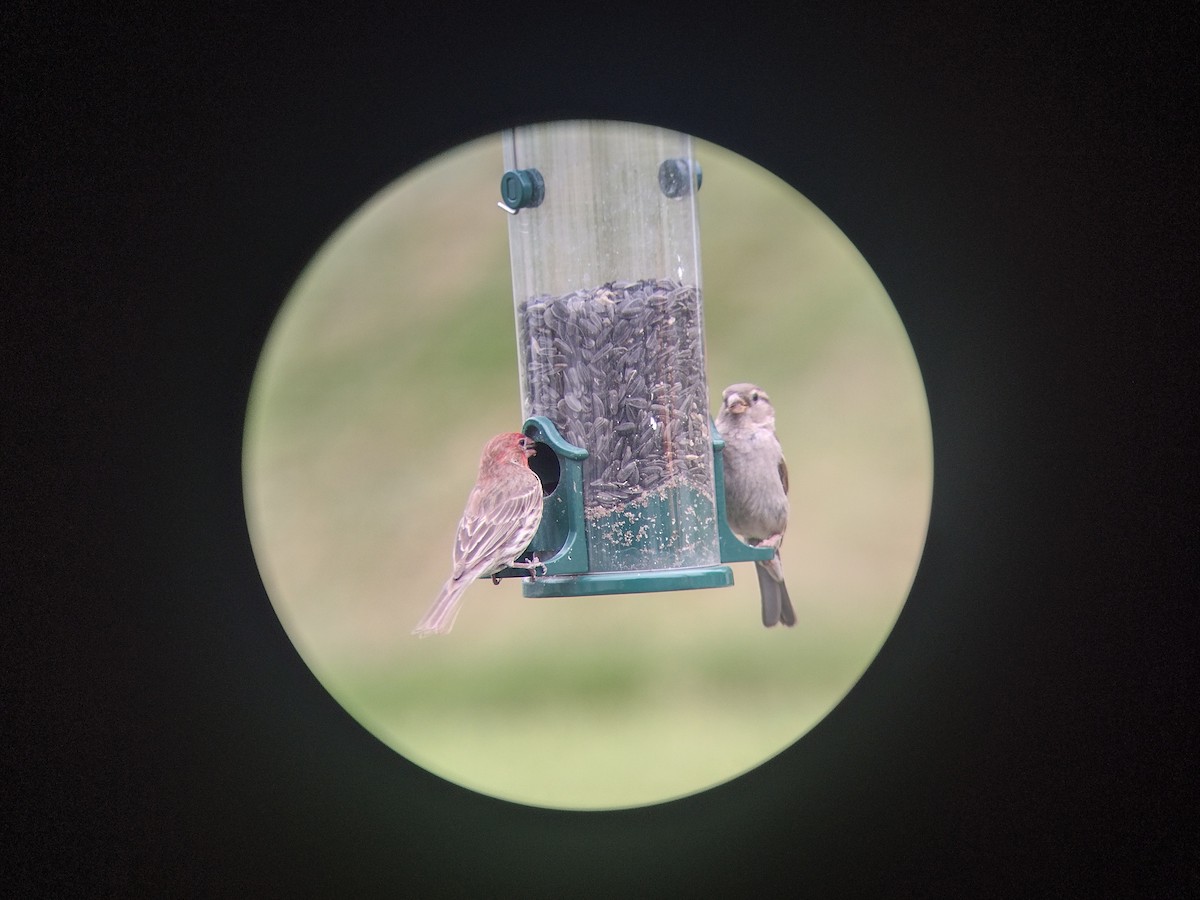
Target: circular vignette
x=392 y=361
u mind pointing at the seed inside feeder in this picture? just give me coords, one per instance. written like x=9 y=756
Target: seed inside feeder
x=619 y=369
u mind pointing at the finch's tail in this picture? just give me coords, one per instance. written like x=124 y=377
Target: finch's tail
x=776 y=604
x=440 y=618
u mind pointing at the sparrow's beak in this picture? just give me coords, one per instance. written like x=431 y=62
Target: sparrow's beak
x=736 y=404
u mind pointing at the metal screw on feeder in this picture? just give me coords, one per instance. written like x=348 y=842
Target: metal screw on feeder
x=610 y=333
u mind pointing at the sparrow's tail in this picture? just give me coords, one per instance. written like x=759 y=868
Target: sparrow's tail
x=776 y=604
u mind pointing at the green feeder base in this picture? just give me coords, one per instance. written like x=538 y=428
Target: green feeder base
x=628 y=582
x=561 y=544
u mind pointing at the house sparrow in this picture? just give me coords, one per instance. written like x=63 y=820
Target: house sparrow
x=756 y=484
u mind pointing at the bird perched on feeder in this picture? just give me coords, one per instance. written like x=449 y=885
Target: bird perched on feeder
x=756 y=485
x=503 y=511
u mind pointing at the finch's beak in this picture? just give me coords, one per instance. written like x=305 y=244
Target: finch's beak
x=530 y=450
x=736 y=404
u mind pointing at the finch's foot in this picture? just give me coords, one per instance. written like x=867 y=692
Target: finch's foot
x=532 y=566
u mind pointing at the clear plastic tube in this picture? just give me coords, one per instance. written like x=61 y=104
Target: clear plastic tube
x=606 y=284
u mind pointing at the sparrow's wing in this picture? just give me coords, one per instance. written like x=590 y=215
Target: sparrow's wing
x=783 y=473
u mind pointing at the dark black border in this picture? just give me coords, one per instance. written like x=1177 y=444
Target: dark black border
x=1019 y=187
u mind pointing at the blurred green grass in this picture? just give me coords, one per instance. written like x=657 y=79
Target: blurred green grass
x=394 y=360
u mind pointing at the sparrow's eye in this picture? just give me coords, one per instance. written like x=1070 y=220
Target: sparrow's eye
x=754 y=396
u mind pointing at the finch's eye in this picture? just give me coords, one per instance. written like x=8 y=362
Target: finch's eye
x=754 y=396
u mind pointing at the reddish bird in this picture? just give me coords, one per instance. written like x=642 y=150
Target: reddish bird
x=502 y=514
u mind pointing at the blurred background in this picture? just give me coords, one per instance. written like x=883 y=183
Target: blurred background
x=391 y=363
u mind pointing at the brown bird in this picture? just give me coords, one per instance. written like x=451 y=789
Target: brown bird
x=503 y=511
x=756 y=486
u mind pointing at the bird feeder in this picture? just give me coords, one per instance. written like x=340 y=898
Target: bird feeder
x=605 y=252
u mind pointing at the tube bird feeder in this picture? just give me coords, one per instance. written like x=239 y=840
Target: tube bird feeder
x=605 y=250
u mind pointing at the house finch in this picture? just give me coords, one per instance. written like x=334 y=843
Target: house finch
x=502 y=514
x=756 y=484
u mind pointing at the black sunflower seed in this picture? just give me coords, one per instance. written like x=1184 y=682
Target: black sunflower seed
x=620 y=370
